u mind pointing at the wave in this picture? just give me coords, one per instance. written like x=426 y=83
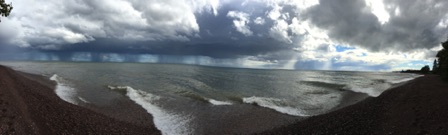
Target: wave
x=366 y=90
x=198 y=97
x=377 y=87
x=193 y=96
x=323 y=84
x=404 y=80
x=167 y=122
x=83 y=100
x=63 y=90
x=117 y=87
x=276 y=104
x=216 y=102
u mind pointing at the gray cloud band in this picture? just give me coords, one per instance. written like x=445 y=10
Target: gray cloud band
x=267 y=30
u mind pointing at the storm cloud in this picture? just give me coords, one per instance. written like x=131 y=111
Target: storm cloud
x=300 y=34
x=412 y=24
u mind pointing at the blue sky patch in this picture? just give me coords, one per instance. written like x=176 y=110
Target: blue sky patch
x=416 y=65
x=340 y=48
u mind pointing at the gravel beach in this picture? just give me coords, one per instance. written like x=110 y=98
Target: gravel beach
x=417 y=107
x=30 y=106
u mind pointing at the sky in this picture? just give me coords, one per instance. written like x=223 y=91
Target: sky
x=361 y=35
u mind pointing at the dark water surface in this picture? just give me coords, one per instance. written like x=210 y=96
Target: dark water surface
x=185 y=99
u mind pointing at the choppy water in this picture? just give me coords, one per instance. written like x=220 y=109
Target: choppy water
x=196 y=100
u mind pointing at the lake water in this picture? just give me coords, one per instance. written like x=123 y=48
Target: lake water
x=186 y=99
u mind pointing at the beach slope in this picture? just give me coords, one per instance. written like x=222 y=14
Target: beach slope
x=417 y=107
x=31 y=107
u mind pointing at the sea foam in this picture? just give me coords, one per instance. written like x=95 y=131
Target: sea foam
x=193 y=96
x=366 y=90
x=63 y=90
x=404 y=79
x=167 y=122
x=83 y=100
x=376 y=89
x=273 y=103
x=216 y=102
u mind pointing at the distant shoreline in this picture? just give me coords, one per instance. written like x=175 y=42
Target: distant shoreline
x=29 y=105
x=417 y=107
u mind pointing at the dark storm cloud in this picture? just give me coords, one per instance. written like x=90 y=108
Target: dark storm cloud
x=61 y=23
x=257 y=31
x=351 y=22
x=229 y=49
x=129 y=27
x=218 y=39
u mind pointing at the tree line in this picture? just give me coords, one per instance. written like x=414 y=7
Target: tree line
x=441 y=63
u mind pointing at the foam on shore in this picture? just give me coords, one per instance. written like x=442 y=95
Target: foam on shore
x=371 y=91
x=167 y=122
x=404 y=79
x=63 y=90
x=374 y=90
x=83 y=100
x=216 y=102
x=275 y=104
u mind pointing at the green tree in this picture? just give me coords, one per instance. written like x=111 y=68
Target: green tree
x=442 y=56
x=5 y=9
x=435 y=66
x=425 y=69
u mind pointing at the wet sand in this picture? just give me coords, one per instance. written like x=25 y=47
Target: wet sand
x=417 y=107
x=28 y=105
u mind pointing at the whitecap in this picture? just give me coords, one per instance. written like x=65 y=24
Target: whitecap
x=167 y=122
x=275 y=104
x=366 y=90
x=216 y=102
x=63 y=90
x=83 y=100
x=117 y=87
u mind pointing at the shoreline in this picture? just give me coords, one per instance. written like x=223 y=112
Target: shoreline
x=354 y=98
x=28 y=105
x=41 y=110
x=419 y=106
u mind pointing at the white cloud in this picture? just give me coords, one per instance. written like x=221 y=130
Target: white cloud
x=280 y=31
x=67 y=36
x=367 y=58
x=253 y=62
x=75 y=21
x=379 y=10
x=276 y=4
x=304 y=4
x=275 y=13
x=382 y=31
x=297 y=27
x=443 y=22
x=259 y=21
x=241 y=21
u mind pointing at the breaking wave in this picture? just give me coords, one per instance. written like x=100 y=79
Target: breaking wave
x=216 y=102
x=276 y=104
x=63 y=90
x=377 y=87
x=371 y=91
x=199 y=97
x=83 y=100
x=167 y=122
